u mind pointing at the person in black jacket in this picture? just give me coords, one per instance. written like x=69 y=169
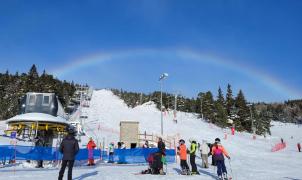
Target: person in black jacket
x=161 y=146
x=162 y=151
x=69 y=148
x=40 y=144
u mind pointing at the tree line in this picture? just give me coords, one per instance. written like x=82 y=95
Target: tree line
x=14 y=86
x=224 y=110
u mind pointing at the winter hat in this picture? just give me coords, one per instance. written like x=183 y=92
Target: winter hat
x=217 y=140
x=182 y=141
x=70 y=130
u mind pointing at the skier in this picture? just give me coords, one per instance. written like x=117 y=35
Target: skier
x=162 y=150
x=182 y=151
x=204 y=154
x=40 y=144
x=123 y=146
x=111 y=152
x=218 y=151
x=69 y=148
x=299 y=147
x=146 y=145
x=119 y=145
x=90 y=146
x=193 y=149
x=161 y=146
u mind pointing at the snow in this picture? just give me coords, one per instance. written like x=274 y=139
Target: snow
x=37 y=117
x=250 y=159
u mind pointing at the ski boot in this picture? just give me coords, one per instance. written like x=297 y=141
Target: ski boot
x=225 y=176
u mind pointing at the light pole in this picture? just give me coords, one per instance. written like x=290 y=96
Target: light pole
x=161 y=78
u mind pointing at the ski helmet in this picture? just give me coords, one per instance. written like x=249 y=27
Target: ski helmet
x=217 y=140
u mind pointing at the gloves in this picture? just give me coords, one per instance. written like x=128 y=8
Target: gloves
x=228 y=157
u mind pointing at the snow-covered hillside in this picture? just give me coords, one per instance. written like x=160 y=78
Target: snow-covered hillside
x=250 y=159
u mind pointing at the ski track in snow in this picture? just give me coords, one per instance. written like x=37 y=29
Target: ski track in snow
x=250 y=159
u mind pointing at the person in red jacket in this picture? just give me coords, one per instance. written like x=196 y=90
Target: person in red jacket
x=218 y=153
x=90 y=146
x=182 y=152
x=299 y=147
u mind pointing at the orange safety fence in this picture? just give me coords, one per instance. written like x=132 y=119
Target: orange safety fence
x=279 y=147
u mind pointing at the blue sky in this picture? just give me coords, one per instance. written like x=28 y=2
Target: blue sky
x=254 y=45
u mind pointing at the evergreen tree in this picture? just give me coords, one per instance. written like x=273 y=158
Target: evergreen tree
x=31 y=84
x=242 y=121
x=220 y=98
x=221 y=114
x=229 y=100
x=208 y=106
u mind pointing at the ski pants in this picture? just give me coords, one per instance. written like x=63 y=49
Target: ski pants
x=70 y=166
x=184 y=165
x=192 y=162
x=220 y=167
x=205 y=163
x=111 y=159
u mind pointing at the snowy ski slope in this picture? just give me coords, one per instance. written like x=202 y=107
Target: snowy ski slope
x=250 y=159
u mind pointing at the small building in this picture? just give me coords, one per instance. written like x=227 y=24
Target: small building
x=129 y=131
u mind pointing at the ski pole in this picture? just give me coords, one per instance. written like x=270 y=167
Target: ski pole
x=231 y=168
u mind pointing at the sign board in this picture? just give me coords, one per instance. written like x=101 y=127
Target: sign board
x=13 y=135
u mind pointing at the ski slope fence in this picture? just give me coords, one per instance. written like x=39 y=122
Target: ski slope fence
x=126 y=156
x=279 y=147
x=140 y=155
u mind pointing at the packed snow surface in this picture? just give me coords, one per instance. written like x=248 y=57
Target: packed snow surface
x=250 y=159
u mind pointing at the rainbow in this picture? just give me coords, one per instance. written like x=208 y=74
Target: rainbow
x=252 y=72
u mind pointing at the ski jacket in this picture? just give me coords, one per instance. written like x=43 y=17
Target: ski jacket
x=193 y=148
x=218 y=151
x=69 y=147
x=39 y=141
x=111 y=148
x=91 y=145
x=205 y=148
x=183 y=152
x=161 y=147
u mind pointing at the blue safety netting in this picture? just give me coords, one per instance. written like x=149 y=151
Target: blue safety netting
x=127 y=156
x=42 y=153
x=139 y=155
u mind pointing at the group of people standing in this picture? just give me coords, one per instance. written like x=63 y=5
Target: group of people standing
x=70 y=147
x=216 y=150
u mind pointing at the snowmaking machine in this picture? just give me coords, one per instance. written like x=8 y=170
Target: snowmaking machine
x=41 y=117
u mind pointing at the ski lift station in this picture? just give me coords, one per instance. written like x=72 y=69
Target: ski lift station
x=41 y=114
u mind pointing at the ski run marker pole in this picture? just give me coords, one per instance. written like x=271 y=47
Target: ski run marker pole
x=231 y=169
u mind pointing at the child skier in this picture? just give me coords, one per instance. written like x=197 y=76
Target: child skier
x=111 y=153
x=218 y=151
x=182 y=151
x=90 y=146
